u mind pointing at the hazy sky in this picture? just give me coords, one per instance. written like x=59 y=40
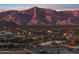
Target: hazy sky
x=50 y=6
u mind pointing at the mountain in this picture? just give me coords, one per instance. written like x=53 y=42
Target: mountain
x=7 y=24
x=39 y=16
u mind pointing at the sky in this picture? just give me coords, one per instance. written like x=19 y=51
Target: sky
x=50 y=6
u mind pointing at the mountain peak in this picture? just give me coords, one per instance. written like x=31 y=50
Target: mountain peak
x=40 y=16
x=35 y=7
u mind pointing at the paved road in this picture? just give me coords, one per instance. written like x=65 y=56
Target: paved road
x=16 y=51
x=52 y=50
x=35 y=50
